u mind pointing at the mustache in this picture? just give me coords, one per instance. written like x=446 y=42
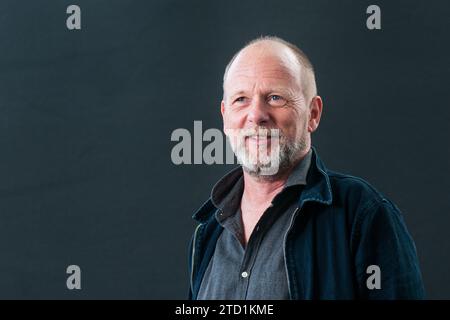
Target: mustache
x=260 y=132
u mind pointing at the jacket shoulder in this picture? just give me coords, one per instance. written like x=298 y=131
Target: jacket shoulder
x=352 y=185
x=355 y=193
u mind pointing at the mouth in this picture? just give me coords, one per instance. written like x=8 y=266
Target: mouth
x=258 y=140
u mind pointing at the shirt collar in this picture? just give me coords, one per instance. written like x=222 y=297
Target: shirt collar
x=317 y=189
x=227 y=192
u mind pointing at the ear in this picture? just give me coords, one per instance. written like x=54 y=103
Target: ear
x=222 y=111
x=315 y=113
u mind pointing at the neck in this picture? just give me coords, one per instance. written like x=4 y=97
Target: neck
x=262 y=189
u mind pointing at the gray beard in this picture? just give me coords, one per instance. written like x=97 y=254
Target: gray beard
x=289 y=153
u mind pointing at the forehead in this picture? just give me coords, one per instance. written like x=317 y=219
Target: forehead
x=263 y=66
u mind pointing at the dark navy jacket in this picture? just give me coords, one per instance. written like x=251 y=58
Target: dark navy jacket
x=341 y=227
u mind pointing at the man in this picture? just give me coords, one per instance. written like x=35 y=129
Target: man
x=299 y=231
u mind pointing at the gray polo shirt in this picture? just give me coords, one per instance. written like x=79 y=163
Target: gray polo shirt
x=256 y=271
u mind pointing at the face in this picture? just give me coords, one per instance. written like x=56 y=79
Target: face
x=263 y=93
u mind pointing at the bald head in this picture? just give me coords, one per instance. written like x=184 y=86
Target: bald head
x=273 y=50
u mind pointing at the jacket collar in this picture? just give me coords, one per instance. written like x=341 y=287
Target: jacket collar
x=318 y=188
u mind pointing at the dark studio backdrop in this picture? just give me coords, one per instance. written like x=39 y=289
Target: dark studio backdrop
x=86 y=116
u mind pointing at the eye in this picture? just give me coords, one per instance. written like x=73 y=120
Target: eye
x=239 y=100
x=276 y=100
x=275 y=97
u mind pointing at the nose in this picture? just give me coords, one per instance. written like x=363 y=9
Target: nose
x=258 y=112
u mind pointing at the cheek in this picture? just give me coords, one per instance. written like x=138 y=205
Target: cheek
x=226 y=119
x=232 y=119
x=291 y=123
x=295 y=126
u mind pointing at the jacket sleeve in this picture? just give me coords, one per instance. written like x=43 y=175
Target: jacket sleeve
x=189 y=297
x=385 y=249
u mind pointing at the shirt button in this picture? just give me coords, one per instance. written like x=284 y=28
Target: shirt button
x=244 y=274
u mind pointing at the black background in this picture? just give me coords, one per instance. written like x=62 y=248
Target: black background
x=86 y=116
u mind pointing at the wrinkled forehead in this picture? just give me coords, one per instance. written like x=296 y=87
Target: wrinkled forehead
x=264 y=65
